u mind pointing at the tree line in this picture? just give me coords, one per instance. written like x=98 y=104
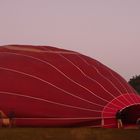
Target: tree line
x=135 y=83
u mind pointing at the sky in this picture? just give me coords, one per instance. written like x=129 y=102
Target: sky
x=106 y=30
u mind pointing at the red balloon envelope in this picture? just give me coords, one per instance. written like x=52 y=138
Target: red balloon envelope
x=47 y=86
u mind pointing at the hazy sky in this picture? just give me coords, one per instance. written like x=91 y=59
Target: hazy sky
x=107 y=30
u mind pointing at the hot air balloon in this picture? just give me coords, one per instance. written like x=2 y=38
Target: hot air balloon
x=48 y=86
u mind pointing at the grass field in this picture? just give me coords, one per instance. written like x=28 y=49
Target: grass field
x=68 y=134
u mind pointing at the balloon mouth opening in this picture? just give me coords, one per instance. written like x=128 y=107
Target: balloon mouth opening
x=130 y=114
x=130 y=110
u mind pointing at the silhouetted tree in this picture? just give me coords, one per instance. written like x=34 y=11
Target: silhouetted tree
x=135 y=83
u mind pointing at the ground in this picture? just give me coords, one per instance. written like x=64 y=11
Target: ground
x=68 y=134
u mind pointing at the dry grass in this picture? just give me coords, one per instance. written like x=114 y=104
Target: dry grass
x=68 y=134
